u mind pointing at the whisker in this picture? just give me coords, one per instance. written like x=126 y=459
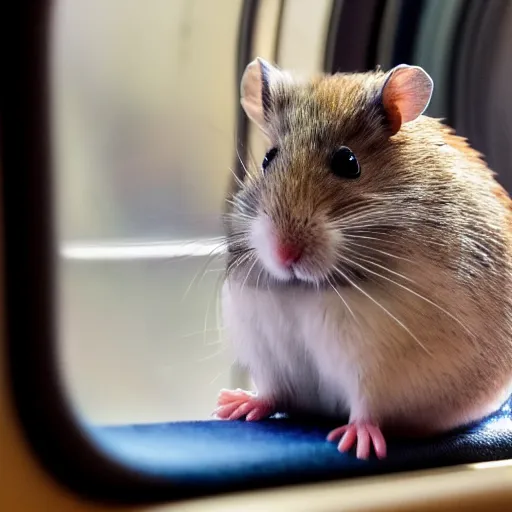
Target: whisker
x=216 y=378
x=347 y=248
x=214 y=295
x=239 y=215
x=218 y=317
x=258 y=278
x=360 y=208
x=237 y=236
x=239 y=203
x=210 y=258
x=197 y=333
x=379 y=251
x=363 y=207
x=377 y=303
x=381 y=222
x=271 y=293
x=341 y=297
x=253 y=161
x=362 y=237
x=373 y=232
x=369 y=201
x=403 y=234
x=357 y=257
x=238 y=261
x=365 y=214
x=378 y=215
x=241 y=161
x=249 y=272
x=209 y=271
x=406 y=288
x=238 y=181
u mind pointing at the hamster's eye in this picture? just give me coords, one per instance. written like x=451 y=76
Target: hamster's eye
x=271 y=153
x=344 y=164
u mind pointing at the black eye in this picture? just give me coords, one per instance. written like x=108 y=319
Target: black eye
x=271 y=153
x=344 y=164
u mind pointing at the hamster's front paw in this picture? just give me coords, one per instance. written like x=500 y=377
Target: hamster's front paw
x=360 y=433
x=235 y=404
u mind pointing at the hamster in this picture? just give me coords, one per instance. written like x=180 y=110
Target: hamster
x=369 y=261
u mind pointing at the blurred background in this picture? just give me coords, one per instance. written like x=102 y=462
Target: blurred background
x=147 y=132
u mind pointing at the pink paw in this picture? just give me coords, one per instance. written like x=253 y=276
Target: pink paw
x=362 y=434
x=233 y=405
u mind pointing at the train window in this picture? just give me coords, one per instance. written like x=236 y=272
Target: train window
x=144 y=132
x=136 y=135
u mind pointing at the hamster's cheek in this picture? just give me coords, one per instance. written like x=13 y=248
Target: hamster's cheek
x=261 y=240
x=322 y=255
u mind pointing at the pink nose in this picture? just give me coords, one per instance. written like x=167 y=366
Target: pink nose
x=288 y=253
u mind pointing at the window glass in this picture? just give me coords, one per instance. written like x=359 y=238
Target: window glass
x=145 y=105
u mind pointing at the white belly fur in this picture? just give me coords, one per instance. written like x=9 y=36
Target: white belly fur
x=293 y=349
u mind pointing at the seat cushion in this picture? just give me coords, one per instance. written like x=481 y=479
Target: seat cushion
x=281 y=450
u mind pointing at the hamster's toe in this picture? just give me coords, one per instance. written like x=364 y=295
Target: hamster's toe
x=362 y=434
x=235 y=404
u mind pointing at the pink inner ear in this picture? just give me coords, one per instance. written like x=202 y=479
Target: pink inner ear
x=251 y=88
x=406 y=95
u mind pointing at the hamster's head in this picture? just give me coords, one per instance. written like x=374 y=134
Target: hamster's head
x=323 y=199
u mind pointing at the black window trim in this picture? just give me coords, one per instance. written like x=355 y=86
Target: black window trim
x=46 y=418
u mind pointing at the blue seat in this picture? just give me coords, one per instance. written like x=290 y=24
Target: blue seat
x=220 y=454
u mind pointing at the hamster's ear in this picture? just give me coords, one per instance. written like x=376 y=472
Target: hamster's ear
x=406 y=94
x=255 y=89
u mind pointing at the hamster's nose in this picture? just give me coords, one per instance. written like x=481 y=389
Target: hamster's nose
x=288 y=253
